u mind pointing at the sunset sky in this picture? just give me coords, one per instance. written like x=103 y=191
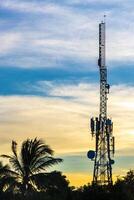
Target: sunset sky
x=49 y=78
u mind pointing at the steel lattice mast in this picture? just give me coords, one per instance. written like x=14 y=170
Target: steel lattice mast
x=102 y=127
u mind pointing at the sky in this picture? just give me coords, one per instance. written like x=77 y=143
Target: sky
x=49 y=78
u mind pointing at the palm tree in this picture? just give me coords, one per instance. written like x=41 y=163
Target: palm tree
x=29 y=168
x=4 y=172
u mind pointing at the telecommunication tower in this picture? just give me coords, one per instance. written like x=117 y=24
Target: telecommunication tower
x=102 y=126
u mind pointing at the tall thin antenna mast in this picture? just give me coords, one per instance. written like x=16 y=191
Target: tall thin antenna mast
x=102 y=127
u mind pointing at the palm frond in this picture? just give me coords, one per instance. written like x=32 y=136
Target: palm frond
x=6 y=156
x=16 y=164
x=14 y=147
x=32 y=150
x=44 y=163
x=8 y=172
x=42 y=148
x=4 y=169
x=8 y=183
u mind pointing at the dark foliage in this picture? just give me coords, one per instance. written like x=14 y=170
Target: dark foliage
x=28 y=170
x=123 y=189
x=57 y=188
x=27 y=179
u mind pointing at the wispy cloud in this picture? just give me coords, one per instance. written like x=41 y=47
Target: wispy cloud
x=68 y=108
x=30 y=6
x=53 y=33
x=9 y=42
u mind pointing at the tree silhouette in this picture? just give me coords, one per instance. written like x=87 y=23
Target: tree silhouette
x=29 y=168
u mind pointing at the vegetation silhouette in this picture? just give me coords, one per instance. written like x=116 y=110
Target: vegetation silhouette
x=28 y=170
x=26 y=178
